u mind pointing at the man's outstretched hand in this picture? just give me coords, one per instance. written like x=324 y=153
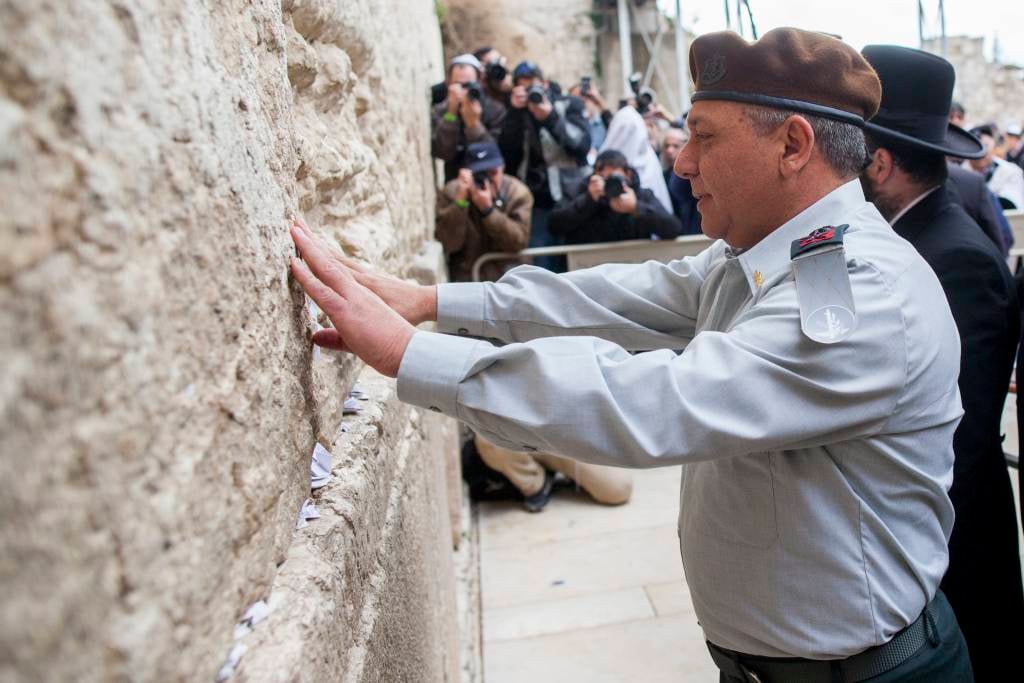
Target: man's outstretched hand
x=373 y=315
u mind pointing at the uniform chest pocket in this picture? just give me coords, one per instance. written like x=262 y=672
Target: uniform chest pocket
x=731 y=500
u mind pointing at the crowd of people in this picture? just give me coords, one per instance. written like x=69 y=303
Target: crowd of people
x=560 y=146
x=529 y=165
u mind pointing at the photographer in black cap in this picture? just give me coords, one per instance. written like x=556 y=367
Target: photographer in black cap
x=612 y=206
x=908 y=141
x=482 y=210
x=545 y=141
x=467 y=115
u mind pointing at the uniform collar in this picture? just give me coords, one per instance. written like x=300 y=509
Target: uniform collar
x=770 y=257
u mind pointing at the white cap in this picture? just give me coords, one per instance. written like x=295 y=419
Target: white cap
x=467 y=60
x=1013 y=129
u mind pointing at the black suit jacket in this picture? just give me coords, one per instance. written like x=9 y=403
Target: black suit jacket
x=968 y=189
x=984 y=565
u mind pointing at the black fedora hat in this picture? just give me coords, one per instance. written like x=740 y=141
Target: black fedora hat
x=917 y=89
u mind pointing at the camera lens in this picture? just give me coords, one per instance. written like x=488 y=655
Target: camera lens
x=496 y=72
x=473 y=91
x=535 y=94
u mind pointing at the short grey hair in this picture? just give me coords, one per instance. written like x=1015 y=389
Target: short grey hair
x=841 y=144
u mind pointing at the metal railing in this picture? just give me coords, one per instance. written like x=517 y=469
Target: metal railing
x=587 y=255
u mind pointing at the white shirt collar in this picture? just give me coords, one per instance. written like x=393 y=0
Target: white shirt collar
x=770 y=256
x=914 y=202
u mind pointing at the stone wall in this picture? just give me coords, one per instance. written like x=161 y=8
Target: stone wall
x=558 y=36
x=990 y=92
x=159 y=396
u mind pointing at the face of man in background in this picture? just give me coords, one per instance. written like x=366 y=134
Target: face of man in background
x=732 y=171
x=986 y=161
x=876 y=192
x=671 y=145
x=462 y=73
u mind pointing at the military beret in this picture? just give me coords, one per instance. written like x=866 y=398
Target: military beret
x=788 y=68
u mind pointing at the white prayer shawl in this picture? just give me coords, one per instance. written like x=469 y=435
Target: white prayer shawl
x=628 y=134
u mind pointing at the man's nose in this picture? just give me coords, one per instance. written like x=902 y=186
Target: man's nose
x=685 y=165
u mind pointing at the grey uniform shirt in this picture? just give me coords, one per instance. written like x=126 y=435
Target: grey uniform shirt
x=814 y=513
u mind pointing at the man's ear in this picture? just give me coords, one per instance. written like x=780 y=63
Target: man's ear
x=797 y=138
x=881 y=167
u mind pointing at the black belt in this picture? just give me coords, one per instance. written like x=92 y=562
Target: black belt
x=872 y=662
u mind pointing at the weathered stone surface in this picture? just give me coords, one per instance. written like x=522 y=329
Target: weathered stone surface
x=159 y=399
x=558 y=36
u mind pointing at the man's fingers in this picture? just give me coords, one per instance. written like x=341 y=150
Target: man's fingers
x=355 y=265
x=329 y=339
x=321 y=262
x=325 y=297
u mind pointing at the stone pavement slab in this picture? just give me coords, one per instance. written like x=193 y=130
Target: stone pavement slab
x=585 y=592
x=658 y=650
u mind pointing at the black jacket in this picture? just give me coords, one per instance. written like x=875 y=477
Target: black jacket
x=684 y=204
x=520 y=135
x=968 y=189
x=984 y=577
x=583 y=221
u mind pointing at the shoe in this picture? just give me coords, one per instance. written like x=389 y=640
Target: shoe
x=539 y=500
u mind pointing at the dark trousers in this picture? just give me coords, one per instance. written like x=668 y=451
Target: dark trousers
x=983 y=582
x=540 y=236
x=945 y=661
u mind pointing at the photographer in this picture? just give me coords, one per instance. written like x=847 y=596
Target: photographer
x=497 y=77
x=480 y=211
x=545 y=141
x=466 y=116
x=613 y=207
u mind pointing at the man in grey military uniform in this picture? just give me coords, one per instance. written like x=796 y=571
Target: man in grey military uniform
x=812 y=407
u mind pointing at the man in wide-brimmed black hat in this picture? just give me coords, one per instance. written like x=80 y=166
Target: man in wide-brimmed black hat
x=908 y=140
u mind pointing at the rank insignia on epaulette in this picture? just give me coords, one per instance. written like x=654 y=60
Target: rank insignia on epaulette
x=827 y=313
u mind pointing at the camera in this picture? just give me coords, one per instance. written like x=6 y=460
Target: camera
x=643 y=95
x=644 y=99
x=473 y=90
x=535 y=94
x=613 y=186
x=584 y=86
x=496 y=72
x=480 y=179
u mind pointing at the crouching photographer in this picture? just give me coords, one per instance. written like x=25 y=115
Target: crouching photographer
x=612 y=206
x=480 y=211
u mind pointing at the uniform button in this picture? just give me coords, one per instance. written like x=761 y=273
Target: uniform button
x=435 y=409
x=463 y=331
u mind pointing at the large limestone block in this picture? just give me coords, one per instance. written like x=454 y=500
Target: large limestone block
x=159 y=398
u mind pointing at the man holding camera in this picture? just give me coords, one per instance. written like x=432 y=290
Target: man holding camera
x=480 y=211
x=466 y=116
x=497 y=78
x=545 y=141
x=612 y=207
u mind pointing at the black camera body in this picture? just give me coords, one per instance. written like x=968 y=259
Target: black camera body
x=614 y=186
x=584 y=86
x=536 y=94
x=480 y=179
x=474 y=91
x=496 y=72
